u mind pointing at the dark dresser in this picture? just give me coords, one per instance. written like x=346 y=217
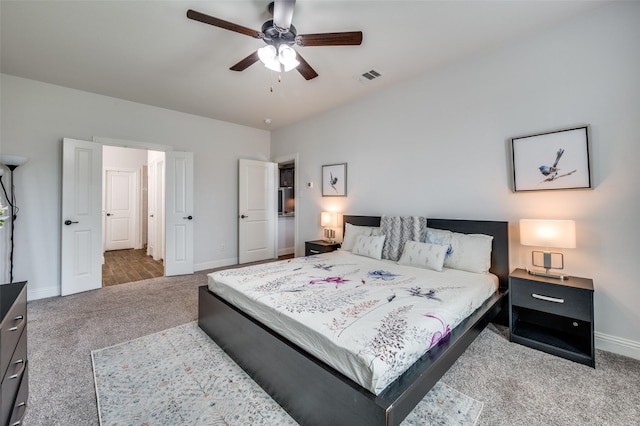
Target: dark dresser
x=13 y=353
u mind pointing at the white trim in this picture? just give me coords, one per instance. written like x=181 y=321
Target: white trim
x=42 y=293
x=286 y=250
x=618 y=345
x=215 y=264
x=132 y=144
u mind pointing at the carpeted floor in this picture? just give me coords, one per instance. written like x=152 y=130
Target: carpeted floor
x=517 y=385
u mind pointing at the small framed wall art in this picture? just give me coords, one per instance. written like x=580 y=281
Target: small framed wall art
x=334 y=180
x=553 y=160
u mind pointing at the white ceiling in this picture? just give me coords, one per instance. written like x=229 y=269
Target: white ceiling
x=149 y=52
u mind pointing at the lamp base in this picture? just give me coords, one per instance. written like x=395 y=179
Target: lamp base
x=329 y=235
x=547 y=274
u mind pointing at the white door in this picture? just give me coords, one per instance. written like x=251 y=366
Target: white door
x=151 y=210
x=120 y=209
x=257 y=211
x=178 y=213
x=81 y=260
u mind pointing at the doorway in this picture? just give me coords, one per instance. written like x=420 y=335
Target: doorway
x=133 y=214
x=82 y=212
x=288 y=189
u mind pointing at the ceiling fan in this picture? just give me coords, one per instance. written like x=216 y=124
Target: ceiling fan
x=280 y=35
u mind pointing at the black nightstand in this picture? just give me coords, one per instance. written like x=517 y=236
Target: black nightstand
x=552 y=315
x=319 y=246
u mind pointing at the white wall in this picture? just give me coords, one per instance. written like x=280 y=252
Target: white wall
x=36 y=116
x=123 y=158
x=438 y=146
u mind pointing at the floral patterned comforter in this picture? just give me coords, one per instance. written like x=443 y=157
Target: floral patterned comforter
x=369 y=319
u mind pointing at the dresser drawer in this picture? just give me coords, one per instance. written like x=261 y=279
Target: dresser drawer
x=555 y=299
x=17 y=360
x=13 y=377
x=12 y=326
x=19 y=408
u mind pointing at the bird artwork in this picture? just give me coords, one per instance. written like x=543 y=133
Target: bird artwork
x=332 y=181
x=551 y=173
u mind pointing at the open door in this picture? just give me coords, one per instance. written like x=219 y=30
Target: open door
x=257 y=211
x=81 y=260
x=179 y=256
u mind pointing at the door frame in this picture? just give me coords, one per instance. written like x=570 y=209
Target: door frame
x=297 y=252
x=124 y=143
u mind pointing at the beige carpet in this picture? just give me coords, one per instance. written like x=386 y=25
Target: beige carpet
x=517 y=385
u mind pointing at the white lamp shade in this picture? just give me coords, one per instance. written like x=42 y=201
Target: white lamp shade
x=329 y=219
x=287 y=57
x=548 y=233
x=268 y=56
x=13 y=160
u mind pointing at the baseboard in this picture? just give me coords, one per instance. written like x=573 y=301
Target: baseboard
x=618 y=345
x=285 y=251
x=42 y=293
x=215 y=264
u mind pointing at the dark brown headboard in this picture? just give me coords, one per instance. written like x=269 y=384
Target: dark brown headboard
x=498 y=229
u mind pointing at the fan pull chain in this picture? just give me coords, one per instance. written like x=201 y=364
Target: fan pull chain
x=279 y=81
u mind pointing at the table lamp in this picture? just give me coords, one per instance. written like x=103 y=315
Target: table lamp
x=329 y=220
x=548 y=234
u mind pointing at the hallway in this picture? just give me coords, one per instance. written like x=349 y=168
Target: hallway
x=124 y=266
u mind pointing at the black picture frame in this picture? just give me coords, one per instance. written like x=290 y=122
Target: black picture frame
x=559 y=159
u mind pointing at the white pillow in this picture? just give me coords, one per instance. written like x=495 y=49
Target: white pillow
x=423 y=255
x=351 y=232
x=467 y=252
x=369 y=246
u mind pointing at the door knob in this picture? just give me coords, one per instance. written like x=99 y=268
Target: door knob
x=188 y=217
x=243 y=216
x=68 y=222
x=108 y=214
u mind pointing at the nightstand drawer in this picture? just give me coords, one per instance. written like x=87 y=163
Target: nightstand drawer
x=319 y=247
x=555 y=299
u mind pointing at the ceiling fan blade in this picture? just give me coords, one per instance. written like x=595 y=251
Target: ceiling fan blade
x=220 y=23
x=246 y=62
x=351 y=38
x=305 y=69
x=283 y=13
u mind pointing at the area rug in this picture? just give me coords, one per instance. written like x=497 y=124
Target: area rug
x=181 y=377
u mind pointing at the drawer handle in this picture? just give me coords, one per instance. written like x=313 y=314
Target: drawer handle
x=547 y=298
x=22 y=367
x=18 y=318
x=19 y=422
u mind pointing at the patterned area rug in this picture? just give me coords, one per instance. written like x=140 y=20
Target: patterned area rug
x=181 y=377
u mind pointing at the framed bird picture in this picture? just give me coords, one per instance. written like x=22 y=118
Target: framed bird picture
x=553 y=160
x=334 y=180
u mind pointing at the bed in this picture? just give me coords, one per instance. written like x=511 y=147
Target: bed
x=313 y=392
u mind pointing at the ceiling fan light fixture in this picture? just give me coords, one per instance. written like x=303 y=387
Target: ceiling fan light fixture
x=268 y=56
x=287 y=57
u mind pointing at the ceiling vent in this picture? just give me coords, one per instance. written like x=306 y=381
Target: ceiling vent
x=369 y=76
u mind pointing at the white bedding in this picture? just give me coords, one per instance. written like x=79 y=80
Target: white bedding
x=368 y=319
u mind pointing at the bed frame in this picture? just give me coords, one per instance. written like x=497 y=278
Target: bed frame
x=314 y=393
